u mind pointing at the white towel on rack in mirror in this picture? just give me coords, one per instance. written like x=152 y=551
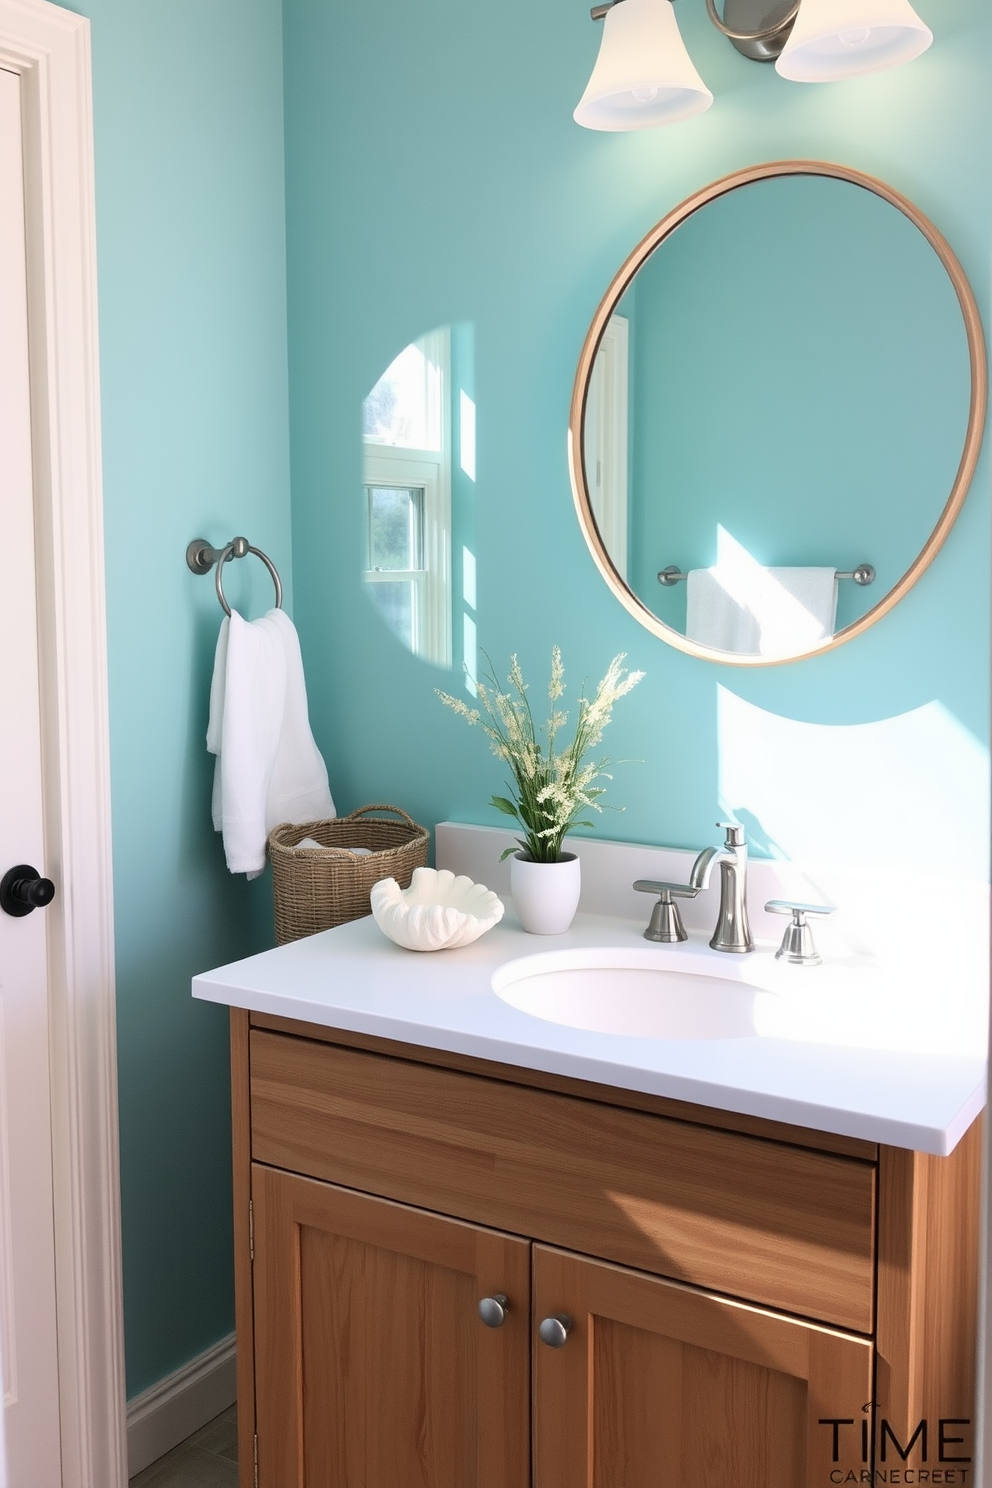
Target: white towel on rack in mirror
x=760 y=611
x=269 y=769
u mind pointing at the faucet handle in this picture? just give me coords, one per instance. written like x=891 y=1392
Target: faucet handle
x=665 y=924
x=797 y=943
x=735 y=834
x=793 y=907
x=656 y=886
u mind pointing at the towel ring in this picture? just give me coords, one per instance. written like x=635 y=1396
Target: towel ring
x=201 y=557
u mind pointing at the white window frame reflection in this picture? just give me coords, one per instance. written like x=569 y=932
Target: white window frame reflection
x=392 y=576
x=395 y=469
x=401 y=467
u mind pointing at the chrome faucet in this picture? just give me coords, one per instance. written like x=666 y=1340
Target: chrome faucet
x=732 y=933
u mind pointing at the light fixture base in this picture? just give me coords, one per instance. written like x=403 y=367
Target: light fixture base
x=758 y=29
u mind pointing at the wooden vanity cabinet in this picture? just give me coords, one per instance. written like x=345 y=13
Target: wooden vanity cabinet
x=731 y=1287
x=662 y=1384
x=373 y=1366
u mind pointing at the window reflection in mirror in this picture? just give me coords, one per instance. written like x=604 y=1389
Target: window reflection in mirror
x=418 y=426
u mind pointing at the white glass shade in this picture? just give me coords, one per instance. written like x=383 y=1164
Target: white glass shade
x=643 y=75
x=836 y=39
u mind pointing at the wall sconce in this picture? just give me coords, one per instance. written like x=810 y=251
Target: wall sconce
x=644 y=77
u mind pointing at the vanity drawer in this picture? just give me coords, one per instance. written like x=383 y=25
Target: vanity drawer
x=763 y=1220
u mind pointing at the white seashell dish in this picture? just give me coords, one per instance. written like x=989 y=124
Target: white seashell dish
x=437 y=912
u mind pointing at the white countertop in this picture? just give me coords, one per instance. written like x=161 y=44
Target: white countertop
x=853 y=1048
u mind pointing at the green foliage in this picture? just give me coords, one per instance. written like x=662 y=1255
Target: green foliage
x=551 y=785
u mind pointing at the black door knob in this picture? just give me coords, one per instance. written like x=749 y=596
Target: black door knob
x=22 y=889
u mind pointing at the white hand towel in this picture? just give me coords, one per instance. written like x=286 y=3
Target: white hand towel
x=359 y=852
x=760 y=611
x=268 y=769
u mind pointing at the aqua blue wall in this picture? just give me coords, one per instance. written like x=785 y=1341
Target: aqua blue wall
x=189 y=163
x=434 y=175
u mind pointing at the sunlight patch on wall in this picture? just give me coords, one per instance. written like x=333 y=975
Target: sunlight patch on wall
x=867 y=794
x=468 y=578
x=466 y=440
x=470 y=649
x=470 y=652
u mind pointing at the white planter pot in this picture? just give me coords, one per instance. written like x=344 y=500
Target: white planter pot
x=545 y=895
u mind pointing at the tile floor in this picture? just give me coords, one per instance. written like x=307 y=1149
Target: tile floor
x=207 y=1459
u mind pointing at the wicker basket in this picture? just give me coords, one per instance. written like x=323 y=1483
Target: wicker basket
x=316 y=888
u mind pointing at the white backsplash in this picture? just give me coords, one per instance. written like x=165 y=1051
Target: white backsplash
x=899 y=913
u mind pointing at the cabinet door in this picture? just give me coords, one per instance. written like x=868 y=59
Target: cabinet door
x=661 y=1386
x=373 y=1368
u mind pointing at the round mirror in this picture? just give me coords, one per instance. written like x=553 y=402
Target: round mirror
x=777 y=413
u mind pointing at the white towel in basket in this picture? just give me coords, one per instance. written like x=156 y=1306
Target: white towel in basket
x=268 y=770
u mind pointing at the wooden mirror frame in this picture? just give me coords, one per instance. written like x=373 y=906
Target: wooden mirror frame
x=973 y=435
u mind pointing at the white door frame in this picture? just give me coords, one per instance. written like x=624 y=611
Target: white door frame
x=50 y=49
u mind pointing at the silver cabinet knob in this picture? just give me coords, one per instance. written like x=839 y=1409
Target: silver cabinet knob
x=555 y=1330
x=493 y=1310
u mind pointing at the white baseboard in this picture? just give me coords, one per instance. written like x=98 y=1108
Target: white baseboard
x=172 y=1409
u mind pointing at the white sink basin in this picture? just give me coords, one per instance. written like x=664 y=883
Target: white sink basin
x=633 y=992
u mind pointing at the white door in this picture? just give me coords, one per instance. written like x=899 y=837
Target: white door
x=29 y=1362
